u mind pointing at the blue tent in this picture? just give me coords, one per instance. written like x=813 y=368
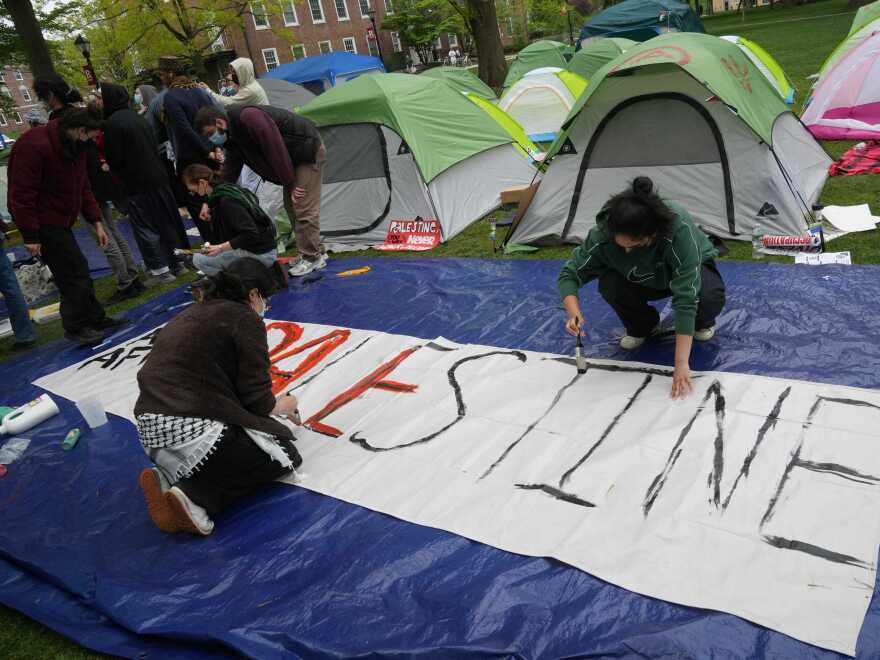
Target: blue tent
x=641 y=20
x=321 y=72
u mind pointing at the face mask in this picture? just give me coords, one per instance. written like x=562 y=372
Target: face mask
x=218 y=139
x=138 y=99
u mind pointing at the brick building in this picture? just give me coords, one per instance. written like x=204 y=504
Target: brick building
x=311 y=27
x=17 y=84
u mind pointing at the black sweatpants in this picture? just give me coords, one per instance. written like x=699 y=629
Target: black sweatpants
x=235 y=469
x=630 y=300
x=80 y=308
x=155 y=214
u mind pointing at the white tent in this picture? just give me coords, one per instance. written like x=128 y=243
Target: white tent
x=540 y=101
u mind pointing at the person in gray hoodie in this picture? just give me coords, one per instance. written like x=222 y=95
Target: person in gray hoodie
x=250 y=92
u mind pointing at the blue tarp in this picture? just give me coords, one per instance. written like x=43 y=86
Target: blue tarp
x=641 y=20
x=290 y=573
x=327 y=68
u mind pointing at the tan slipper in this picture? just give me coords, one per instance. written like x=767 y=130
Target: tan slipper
x=162 y=515
x=189 y=516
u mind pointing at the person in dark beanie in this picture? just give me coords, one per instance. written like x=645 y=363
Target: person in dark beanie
x=180 y=104
x=48 y=189
x=56 y=95
x=283 y=148
x=133 y=156
x=206 y=414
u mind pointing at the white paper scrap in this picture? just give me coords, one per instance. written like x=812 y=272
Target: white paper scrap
x=850 y=218
x=824 y=259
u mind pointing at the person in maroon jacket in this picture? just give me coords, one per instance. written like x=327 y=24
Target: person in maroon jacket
x=48 y=189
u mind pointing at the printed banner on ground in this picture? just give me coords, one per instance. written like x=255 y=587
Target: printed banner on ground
x=755 y=496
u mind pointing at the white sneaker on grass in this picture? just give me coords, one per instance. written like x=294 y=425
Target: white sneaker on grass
x=705 y=334
x=302 y=267
x=190 y=516
x=630 y=343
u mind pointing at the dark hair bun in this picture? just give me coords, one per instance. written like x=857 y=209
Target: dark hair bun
x=229 y=285
x=72 y=96
x=642 y=186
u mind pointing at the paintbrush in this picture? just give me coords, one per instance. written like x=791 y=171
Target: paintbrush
x=579 y=358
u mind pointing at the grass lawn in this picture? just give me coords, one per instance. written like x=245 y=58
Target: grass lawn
x=800 y=38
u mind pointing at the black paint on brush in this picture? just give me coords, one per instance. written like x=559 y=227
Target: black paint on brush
x=629 y=404
x=768 y=424
x=462 y=408
x=659 y=481
x=560 y=495
x=328 y=365
x=816 y=551
x=531 y=427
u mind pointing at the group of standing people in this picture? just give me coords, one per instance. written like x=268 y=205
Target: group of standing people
x=147 y=155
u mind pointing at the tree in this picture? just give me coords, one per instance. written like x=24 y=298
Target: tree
x=420 y=22
x=480 y=18
x=21 y=32
x=551 y=18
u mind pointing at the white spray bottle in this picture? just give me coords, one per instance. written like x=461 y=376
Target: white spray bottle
x=29 y=415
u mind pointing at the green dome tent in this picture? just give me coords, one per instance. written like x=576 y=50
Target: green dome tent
x=538 y=55
x=401 y=147
x=596 y=54
x=462 y=80
x=768 y=66
x=692 y=112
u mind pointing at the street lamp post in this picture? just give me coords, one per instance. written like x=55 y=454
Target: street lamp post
x=372 y=15
x=85 y=47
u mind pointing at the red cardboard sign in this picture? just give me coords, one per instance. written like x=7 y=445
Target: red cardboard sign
x=415 y=235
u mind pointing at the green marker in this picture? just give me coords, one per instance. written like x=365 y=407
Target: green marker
x=71 y=439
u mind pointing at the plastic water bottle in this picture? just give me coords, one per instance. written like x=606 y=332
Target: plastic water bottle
x=757 y=242
x=29 y=415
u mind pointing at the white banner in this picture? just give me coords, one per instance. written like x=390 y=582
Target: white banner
x=755 y=496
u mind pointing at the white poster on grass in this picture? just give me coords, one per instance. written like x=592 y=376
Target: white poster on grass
x=755 y=496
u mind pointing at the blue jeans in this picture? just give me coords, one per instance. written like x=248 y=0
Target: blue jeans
x=213 y=265
x=15 y=303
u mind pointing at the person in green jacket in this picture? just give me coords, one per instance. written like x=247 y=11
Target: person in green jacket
x=644 y=248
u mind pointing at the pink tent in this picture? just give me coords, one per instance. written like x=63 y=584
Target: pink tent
x=846 y=104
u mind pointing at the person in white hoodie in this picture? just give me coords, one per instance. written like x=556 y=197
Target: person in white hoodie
x=250 y=92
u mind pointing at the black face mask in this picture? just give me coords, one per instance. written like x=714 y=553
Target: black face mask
x=234 y=77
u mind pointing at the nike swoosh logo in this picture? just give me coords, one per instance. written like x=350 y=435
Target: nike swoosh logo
x=634 y=276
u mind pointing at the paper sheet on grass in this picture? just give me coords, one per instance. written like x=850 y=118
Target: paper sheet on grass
x=824 y=259
x=850 y=218
x=755 y=496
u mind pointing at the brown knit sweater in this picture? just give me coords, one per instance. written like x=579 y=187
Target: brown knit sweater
x=212 y=362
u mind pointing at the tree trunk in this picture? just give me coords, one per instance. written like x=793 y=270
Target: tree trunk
x=483 y=22
x=33 y=43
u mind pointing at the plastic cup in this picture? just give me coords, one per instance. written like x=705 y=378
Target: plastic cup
x=92 y=411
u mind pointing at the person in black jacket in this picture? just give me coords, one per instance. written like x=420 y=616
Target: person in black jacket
x=133 y=156
x=239 y=226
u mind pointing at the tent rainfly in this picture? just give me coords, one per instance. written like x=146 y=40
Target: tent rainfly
x=321 y=72
x=402 y=147
x=461 y=79
x=641 y=20
x=846 y=104
x=538 y=55
x=283 y=94
x=768 y=66
x=541 y=100
x=596 y=54
x=692 y=112
x=865 y=23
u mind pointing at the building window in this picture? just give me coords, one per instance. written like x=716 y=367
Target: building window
x=289 y=13
x=453 y=40
x=3 y=120
x=350 y=47
x=325 y=47
x=389 y=8
x=365 y=8
x=374 y=49
x=25 y=94
x=317 y=10
x=261 y=18
x=18 y=75
x=395 y=42
x=18 y=119
x=341 y=10
x=438 y=44
x=298 y=51
x=270 y=57
x=5 y=91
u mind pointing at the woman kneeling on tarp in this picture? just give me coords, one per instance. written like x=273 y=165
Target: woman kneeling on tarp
x=206 y=415
x=239 y=227
x=642 y=249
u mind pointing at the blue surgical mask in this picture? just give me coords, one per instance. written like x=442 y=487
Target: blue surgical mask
x=138 y=99
x=218 y=139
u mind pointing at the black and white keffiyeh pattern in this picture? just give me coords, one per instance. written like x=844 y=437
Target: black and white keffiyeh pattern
x=157 y=431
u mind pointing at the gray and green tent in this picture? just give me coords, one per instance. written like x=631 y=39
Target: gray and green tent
x=641 y=20
x=461 y=79
x=596 y=54
x=401 y=147
x=694 y=114
x=538 y=55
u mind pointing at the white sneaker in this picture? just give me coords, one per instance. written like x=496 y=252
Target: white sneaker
x=302 y=267
x=191 y=517
x=630 y=343
x=704 y=335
